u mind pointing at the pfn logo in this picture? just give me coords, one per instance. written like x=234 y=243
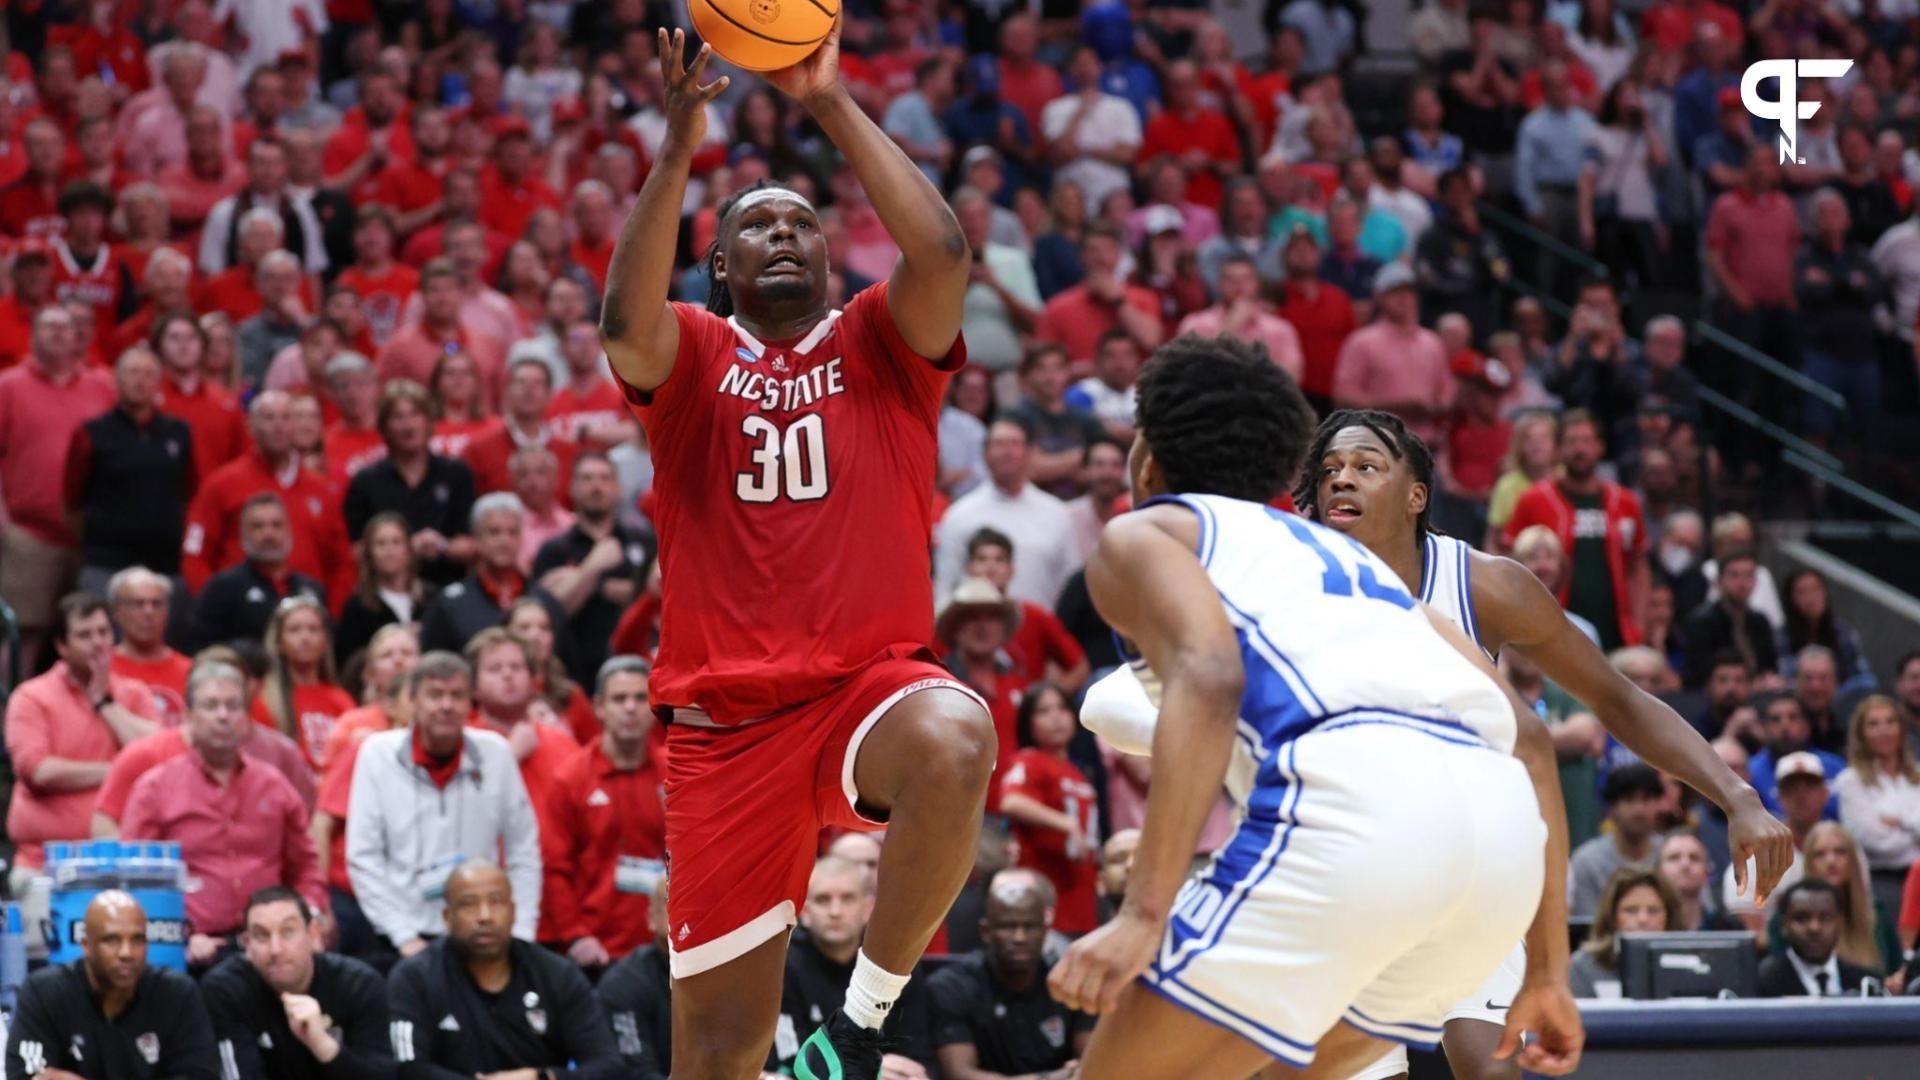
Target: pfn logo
x=1787 y=110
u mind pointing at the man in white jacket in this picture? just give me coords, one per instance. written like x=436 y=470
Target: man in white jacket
x=430 y=797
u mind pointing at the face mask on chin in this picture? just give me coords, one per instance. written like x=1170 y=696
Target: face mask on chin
x=1675 y=559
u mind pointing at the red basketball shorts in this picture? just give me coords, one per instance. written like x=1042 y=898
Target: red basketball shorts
x=745 y=806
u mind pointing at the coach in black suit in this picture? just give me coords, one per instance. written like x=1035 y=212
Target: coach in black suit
x=1809 y=966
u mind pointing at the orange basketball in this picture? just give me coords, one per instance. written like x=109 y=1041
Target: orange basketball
x=763 y=35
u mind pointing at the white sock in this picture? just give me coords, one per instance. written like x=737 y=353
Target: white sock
x=872 y=992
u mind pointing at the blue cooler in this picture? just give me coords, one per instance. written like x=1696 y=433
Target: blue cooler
x=13 y=957
x=153 y=873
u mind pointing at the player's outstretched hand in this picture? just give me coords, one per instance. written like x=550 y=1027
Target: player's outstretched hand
x=1752 y=832
x=815 y=76
x=1099 y=966
x=686 y=98
x=1544 y=1017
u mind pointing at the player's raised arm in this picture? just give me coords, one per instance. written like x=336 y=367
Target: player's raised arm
x=930 y=282
x=1150 y=586
x=1643 y=723
x=1544 y=1007
x=637 y=328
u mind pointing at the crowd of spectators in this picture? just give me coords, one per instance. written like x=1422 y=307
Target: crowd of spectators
x=319 y=499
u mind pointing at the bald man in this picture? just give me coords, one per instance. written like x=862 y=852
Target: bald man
x=479 y=1002
x=108 y=1016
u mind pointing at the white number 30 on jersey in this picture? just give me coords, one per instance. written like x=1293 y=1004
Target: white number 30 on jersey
x=794 y=460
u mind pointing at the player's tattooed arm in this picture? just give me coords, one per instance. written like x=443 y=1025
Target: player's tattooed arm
x=1525 y=616
x=637 y=328
x=928 y=285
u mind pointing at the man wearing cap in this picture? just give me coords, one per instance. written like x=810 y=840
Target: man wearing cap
x=32 y=290
x=42 y=403
x=1394 y=363
x=978 y=620
x=1241 y=314
x=1720 y=155
x=1800 y=780
x=913 y=118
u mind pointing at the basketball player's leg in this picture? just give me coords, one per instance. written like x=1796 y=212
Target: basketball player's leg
x=724 y=1017
x=741 y=837
x=1148 y=1037
x=924 y=764
x=1470 y=1045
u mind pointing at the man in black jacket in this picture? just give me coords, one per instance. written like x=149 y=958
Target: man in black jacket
x=289 y=1011
x=480 y=600
x=109 y=1016
x=1809 y=965
x=1728 y=622
x=237 y=604
x=638 y=995
x=130 y=474
x=598 y=566
x=478 y=1002
x=435 y=494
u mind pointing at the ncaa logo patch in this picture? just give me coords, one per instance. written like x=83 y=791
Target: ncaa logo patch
x=745 y=355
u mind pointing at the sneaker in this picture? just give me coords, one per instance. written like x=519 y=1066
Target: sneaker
x=842 y=1050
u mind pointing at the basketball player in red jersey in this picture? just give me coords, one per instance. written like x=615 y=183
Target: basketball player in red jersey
x=794 y=453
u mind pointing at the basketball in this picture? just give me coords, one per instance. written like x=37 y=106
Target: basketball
x=763 y=35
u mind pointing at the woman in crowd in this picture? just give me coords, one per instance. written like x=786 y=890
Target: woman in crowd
x=389 y=589
x=530 y=621
x=1634 y=902
x=1867 y=936
x=301 y=697
x=463 y=417
x=220 y=362
x=1167 y=266
x=1687 y=869
x=1880 y=795
x=1053 y=808
x=1810 y=621
x=1530 y=458
x=1602 y=39
x=523 y=280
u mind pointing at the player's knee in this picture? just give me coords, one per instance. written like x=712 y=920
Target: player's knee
x=960 y=741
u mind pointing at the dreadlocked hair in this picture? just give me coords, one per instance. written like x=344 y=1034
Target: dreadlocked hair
x=719 y=300
x=1222 y=418
x=1392 y=432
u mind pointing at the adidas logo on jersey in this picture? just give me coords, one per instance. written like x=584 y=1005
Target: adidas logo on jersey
x=448 y=1023
x=598 y=798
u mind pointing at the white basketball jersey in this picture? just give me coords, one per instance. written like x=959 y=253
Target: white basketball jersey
x=1328 y=633
x=1448 y=588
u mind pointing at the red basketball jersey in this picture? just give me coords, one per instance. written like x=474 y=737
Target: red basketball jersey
x=794 y=489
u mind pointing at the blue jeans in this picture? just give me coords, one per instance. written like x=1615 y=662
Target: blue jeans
x=1858 y=381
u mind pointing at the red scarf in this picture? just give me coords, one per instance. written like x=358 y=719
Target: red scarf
x=503 y=590
x=440 y=772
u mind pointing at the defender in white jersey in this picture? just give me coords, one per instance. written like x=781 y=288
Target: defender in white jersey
x=1390 y=847
x=1369 y=478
